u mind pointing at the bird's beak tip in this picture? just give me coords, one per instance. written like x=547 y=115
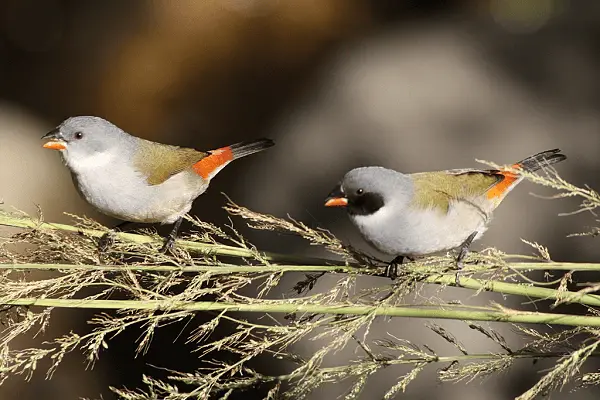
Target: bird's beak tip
x=53 y=134
x=55 y=141
x=336 y=202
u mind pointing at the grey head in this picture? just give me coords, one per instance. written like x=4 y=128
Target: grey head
x=363 y=191
x=80 y=138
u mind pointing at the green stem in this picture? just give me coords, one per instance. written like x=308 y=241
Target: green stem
x=564 y=266
x=512 y=316
x=204 y=248
x=224 y=269
x=518 y=289
x=232 y=251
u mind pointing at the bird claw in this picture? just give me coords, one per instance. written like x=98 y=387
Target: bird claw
x=104 y=244
x=168 y=246
x=170 y=239
x=462 y=253
x=459 y=266
x=106 y=241
x=391 y=270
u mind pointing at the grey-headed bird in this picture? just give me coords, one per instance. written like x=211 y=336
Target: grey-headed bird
x=137 y=180
x=412 y=215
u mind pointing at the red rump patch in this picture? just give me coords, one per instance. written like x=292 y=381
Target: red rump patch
x=216 y=160
x=509 y=179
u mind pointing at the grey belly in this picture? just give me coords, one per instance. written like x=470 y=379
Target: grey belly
x=421 y=233
x=135 y=202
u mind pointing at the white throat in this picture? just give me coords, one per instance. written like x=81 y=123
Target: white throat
x=96 y=160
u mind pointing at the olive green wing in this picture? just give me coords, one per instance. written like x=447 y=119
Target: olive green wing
x=438 y=189
x=158 y=162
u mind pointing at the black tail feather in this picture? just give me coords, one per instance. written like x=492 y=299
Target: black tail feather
x=541 y=160
x=243 y=149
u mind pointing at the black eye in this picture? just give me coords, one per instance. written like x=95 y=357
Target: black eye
x=359 y=192
x=78 y=135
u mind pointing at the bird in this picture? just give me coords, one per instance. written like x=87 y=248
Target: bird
x=419 y=214
x=137 y=180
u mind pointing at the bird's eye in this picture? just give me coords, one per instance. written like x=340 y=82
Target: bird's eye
x=359 y=192
x=78 y=135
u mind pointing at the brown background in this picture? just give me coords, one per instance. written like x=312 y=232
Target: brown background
x=338 y=84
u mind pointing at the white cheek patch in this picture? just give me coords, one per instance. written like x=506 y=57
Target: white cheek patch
x=96 y=160
x=376 y=219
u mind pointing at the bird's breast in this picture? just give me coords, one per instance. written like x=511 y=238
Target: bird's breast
x=122 y=193
x=416 y=232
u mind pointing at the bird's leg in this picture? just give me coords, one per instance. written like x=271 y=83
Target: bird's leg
x=108 y=238
x=462 y=253
x=391 y=270
x=170 y=239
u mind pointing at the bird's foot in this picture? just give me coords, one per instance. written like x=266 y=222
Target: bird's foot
x=170 y=239
x=106 y=241
x=462 y=253
x=104 y=244
x=168 y=245
x=459 y=267
x=391 y=270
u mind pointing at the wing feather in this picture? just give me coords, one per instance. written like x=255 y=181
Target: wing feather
x=158 y=162
x=438 y=189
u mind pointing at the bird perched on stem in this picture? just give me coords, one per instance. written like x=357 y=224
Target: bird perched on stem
x=411 y=215
x=136 y=180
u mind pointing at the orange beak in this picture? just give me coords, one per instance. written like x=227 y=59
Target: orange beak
x=55 y=145
x=336 y=202
x=55 y=141
x=337 y=198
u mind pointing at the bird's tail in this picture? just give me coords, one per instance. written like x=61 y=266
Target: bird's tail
x=530 y=164
x=217 y=159
x=244 y=149
x=541 y=160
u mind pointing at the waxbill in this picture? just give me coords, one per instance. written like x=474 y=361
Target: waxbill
x=137 y=180
x=412 y=215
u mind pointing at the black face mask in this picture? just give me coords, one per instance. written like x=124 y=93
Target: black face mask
x=364 y=204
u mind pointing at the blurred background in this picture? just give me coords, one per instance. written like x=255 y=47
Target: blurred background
x=410 y=85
